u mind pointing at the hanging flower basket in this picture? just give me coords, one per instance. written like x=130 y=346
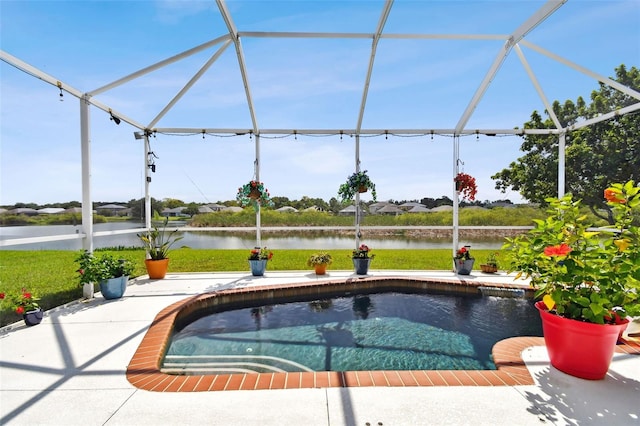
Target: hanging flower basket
x=254 y=193
x=357 y=182
x=466 y=186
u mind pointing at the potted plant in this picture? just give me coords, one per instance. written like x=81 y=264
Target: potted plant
x=466 y=186
x=320 y=261
x=110 y=273
x=462 y=261
x=253 y=193
x=25 y=304
x=357 y=182
x=157 y=243
x=589 y=279
x=258 y=258
x=490 y=266
x=361 y=259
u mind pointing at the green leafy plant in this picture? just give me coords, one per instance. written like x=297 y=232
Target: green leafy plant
x=93 y=269
x=357 y=182
x=260 y=254
x=320 y=258
x=492 y=260
x=362 y=252
x=254 y=193
x=157 y=242
x=584 y=273
x=21 y=302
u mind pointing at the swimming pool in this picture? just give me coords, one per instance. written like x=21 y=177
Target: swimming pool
x=368 y=331
x=144 y=369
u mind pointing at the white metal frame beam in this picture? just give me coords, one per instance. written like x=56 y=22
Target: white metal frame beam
x=372 y=58
x=233 y=33
x=543 y=13
x=190 y=84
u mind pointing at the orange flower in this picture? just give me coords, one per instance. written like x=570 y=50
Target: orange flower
x=622 y=244
x=613 y=195
x=561 y=250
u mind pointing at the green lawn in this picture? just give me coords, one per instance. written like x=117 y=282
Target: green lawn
x=51 y=274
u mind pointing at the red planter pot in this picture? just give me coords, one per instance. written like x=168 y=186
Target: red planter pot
x=581 y=349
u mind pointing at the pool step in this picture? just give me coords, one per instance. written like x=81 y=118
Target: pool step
x=220 y=364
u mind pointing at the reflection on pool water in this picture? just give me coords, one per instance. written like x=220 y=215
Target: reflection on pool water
x=381 y=331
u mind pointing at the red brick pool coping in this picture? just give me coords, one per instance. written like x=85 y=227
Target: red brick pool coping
x=144 y=371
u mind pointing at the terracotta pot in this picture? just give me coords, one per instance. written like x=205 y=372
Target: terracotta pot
x=320 y=269
x=157 y=269
x=581 y=349
x=362 y=189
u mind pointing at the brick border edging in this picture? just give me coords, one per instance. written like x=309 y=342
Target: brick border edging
x=144 y=371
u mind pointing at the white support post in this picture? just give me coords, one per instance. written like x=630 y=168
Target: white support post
x=456 y=193
x=147 y=184
x=561 y=164
x=357 y=197
x=85 y=153
x=257 y=173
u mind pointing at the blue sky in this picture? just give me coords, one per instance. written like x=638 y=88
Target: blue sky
x=295 y=83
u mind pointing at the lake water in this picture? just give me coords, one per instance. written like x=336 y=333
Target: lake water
x=221 y=240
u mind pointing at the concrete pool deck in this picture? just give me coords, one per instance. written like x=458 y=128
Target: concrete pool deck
x=71 y=369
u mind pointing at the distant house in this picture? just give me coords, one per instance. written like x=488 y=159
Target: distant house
x=390 y=209
x=287 y=209
x=24 y=210
x=175 y=212
x=411 y=205
x=113 y=210
x=348 y=211
x=216 y=207
x=51 y=210
x=377 y=206
x=419 y=209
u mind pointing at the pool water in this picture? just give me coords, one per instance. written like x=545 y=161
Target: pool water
x=383 y=331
